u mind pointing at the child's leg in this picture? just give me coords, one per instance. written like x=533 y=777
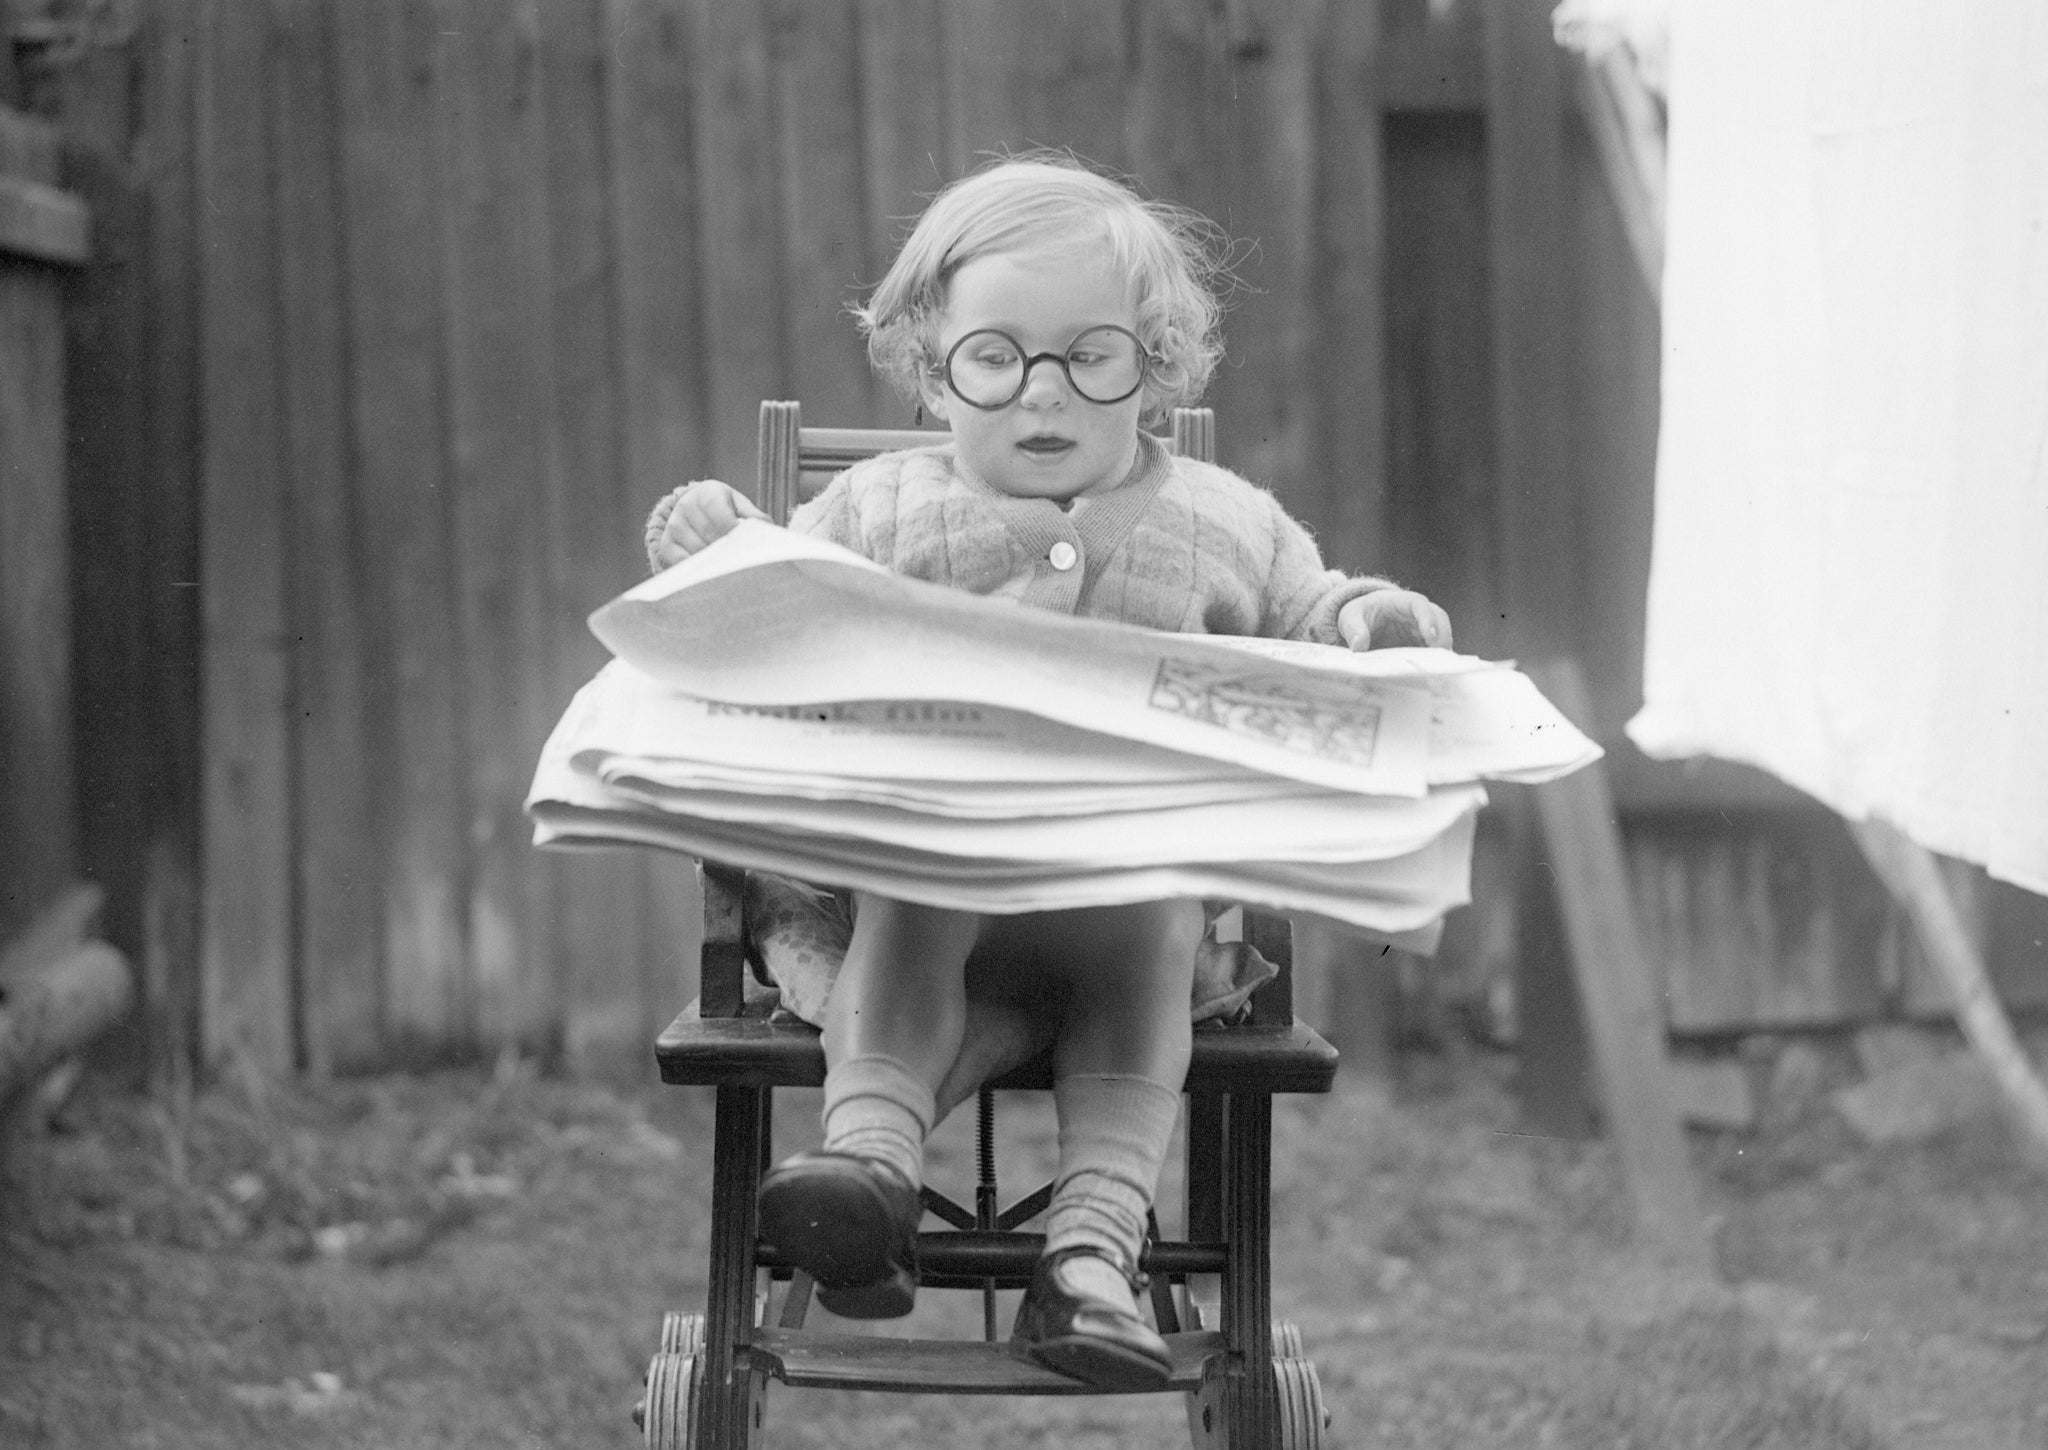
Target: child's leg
x=1118 y=1069
x=848 y=1214
x=893 y=1028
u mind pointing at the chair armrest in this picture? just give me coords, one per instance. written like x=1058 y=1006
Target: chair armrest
x=722 y=959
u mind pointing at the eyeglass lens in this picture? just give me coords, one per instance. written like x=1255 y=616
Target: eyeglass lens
x=988 y=368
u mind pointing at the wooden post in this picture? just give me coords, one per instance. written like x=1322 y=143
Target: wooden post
x=1912 y=875
x=1623 y=1016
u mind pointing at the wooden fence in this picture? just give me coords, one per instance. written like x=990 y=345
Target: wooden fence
x=412 y=307
x=480 y=280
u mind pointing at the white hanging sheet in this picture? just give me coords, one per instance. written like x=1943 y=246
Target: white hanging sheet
x=1851 y=541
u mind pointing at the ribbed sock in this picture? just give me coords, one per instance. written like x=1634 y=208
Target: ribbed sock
x=877 y=1108
x=1115 y=1131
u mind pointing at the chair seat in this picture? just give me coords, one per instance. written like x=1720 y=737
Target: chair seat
x=757 y=1050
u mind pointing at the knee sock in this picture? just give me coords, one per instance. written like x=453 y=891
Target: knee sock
x=1115 y=1130
x=876 y=1107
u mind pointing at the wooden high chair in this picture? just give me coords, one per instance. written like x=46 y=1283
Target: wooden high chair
x=1247 y=1383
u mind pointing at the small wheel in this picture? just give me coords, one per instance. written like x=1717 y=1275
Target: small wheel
x=682 y=1333
x=1303 y=1415
x=1287 y=1340
x=669 y=1413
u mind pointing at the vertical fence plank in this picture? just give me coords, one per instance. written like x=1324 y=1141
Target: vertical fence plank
x=824 y=209
x=903 y=119
x=121 y=496
x=1442 y=469
x=1526 y=220
x=663 y=351
x=339 y=891
x=169 y=952
x=497 y=279
x=36 y=812
x=1345 y=499
x=733 y=111
x=1267 y=162
x=1180 y=93
x=386 y=55
x=36 y=817
x=591 y=531
x=1614 y=378
x=248 y=847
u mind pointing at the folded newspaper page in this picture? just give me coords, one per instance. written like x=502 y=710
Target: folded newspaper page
x=783 y=704
x=767 y=617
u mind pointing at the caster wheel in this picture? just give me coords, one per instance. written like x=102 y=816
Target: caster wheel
x=682 y=1333
x=1303 y=1415
x=669 y=1413
x=1287 y=1340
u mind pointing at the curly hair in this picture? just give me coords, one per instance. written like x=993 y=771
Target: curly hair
x=1051 y=203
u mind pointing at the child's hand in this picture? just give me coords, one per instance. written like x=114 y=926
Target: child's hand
x=1389 y=617
x=702 y=512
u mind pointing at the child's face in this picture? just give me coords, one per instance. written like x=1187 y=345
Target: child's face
x=1050 y=442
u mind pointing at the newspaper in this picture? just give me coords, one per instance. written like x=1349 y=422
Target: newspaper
x=767 y=617
x=783 y=704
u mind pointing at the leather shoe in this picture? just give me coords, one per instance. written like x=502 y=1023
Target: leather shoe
x=851 y=1224
x=1064 y=1326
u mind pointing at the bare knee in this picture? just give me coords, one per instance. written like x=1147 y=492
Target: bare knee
x=907 y=944
x=1127 y=1010
x=901 y=989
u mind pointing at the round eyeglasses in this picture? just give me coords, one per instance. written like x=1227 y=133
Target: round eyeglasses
x=988 y=369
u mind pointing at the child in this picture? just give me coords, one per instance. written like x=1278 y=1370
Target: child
x=1048 y=315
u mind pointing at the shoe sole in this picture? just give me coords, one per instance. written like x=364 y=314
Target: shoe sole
x=831 y=1221
x=1098 y=1364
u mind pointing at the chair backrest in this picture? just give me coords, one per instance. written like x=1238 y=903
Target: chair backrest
x=794 y=462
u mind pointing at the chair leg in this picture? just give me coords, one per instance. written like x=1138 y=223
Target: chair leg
x=1252 y=1405
x=1205 y=1140
x=731 y=1405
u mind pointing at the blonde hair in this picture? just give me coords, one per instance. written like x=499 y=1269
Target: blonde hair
x=1050 y=202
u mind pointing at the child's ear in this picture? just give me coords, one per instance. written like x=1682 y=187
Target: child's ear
x=931 y=393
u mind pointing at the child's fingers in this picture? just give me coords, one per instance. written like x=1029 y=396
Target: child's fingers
x=714 y=508
x=1431 y=624
x=707 y=512
x=1395 y=617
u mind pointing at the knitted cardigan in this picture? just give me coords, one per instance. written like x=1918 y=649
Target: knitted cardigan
x=1179 y=545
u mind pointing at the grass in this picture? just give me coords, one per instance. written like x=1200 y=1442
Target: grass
x=472 y=1259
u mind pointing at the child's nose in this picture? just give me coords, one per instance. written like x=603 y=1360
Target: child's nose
x=1044 y=384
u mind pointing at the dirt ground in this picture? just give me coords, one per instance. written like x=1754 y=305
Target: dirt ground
x=481 y=1259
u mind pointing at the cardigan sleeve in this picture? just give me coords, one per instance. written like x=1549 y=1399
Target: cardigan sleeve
x=830 y=515
x=1302 y=595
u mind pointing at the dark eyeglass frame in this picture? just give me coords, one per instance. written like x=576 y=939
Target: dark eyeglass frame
x=1146 y=359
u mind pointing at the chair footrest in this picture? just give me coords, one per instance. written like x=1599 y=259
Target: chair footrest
x=968 y=1258
x=817 y=1360
x=758 y=1051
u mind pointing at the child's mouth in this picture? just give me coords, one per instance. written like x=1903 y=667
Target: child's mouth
x=1045 y=445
